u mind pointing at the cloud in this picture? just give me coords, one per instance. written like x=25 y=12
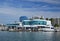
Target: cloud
x=26 y=11
x=29 y=3
x=47 y=1
x=11 y=14
x=11 y=10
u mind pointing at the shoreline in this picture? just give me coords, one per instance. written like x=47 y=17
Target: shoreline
x=28 y=31
x=56 y=29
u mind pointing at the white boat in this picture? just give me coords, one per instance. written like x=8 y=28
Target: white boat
x=51 y=28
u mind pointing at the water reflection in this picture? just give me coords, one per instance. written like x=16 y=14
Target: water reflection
x=56 y=36
x=37 y=36
x=29 y=36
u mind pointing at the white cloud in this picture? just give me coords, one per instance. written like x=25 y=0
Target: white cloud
x=47 y=1
x=12 y=3
x=10 y=15
x=28 y=12
x=15 y=13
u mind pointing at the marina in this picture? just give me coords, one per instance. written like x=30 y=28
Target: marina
x=34 y=24
x=29 y=20
x=31 y=25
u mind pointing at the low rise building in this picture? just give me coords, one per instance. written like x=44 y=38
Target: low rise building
x=38 y=24
x=56 y=21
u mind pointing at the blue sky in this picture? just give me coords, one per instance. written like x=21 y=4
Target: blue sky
x=11 y=10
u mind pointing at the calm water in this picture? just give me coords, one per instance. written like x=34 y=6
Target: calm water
x=29 y=36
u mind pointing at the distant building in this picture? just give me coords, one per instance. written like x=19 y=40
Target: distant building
x=56 y=21
x=36 y=22
x=14 y=25
x=30 y=25
x=23 y=18
x=3 y=27
x=17 y=26
x=38 y=17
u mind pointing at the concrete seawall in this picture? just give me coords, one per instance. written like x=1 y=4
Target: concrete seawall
x=57 y=29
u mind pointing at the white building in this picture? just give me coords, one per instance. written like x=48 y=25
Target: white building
x=38 y=23
x=35 y=24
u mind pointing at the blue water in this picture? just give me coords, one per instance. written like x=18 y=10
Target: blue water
x=29 y=36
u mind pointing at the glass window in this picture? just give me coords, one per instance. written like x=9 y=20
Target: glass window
x=38 y=23
x=26 y=23
x=34 y=23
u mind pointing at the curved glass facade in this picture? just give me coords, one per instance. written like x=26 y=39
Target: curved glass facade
x=34 y=22
x=38 y=23
x=26 y=22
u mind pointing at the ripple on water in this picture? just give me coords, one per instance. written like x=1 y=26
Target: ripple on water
x=29 y=36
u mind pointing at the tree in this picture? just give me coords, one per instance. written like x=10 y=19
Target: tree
x=36 y=17
x=51 y=19
x=47 y=19
x=30 y=19
x=41 y=17
x=56 y=25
